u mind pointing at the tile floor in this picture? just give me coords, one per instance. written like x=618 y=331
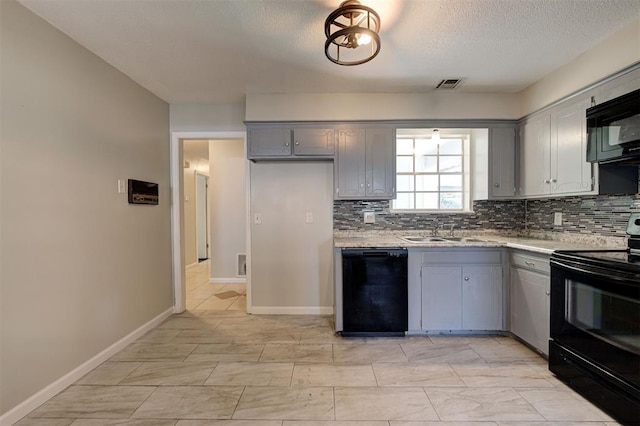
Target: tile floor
x=215 y=365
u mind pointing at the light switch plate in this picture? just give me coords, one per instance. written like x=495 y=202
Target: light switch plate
x=369 y=217
x=122 y=186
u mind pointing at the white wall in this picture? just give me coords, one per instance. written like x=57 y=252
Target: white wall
x=291 y=260
x=610 y=56
x=382 y=106
x=80 y=267
x=227 y=189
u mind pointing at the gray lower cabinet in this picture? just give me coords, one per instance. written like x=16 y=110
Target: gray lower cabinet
x=365 y=164
x=285 y=142
x=529 y=299
x=457 y=289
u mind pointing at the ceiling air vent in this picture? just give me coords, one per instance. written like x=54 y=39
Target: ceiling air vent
x=449 y=83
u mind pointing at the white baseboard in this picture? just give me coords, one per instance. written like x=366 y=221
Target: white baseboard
x=292 y=310
x=40 y=397
x=228 y=281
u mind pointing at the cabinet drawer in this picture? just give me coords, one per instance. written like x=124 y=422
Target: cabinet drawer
x=458 y=256
x=534 y=263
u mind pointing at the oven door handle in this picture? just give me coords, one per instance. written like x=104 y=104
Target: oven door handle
x=609 y=274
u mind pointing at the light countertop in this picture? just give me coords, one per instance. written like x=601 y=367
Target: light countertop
x=543 y=246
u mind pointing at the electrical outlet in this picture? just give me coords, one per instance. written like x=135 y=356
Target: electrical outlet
x=309 y=217
x=369 y=217
x=557 y=218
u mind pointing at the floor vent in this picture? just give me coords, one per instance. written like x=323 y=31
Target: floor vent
x=242 y=265
x=449 y=83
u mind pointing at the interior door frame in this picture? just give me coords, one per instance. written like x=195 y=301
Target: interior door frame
x=177 y=211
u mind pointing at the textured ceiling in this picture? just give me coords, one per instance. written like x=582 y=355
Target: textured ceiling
x=220 y=50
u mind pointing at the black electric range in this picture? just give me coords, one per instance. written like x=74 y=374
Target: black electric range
x=595 y=325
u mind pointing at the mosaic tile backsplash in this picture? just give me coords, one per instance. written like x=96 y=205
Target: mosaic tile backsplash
x=502 y=215
x=594 y=215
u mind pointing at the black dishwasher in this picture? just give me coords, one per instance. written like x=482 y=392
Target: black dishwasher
x=374 y=292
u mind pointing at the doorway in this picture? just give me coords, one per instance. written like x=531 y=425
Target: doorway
x=178 y=210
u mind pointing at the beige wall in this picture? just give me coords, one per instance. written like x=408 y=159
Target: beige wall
x=80 y=267
x=227 y=189
x=610 y=56
x=291 y=260
x=190 y=231
x=207 y=117
x=196 y=164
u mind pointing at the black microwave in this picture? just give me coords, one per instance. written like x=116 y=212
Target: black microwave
x=613 y=130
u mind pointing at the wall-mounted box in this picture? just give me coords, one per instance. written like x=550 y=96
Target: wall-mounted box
x=141 y=192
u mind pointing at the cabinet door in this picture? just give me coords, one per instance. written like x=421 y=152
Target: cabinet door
x=350 y=164
x=534 y=161
x=269 y=142
x=380 y=163
x=570 y=171
x=482 y=298
x=530 y=307
x=503 y=161
x=441 y=297
x=314 y=142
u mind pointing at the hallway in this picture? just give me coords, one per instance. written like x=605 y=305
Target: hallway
x=204 y=296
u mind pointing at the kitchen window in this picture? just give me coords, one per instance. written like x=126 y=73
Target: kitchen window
x=432 y=171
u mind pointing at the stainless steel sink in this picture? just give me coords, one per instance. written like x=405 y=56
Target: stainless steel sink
x=424 y=239
x=467 y=240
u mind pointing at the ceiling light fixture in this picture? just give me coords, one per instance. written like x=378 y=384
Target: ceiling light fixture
x=352 y=34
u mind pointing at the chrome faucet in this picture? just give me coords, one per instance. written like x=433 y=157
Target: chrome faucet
x=434 y=231
x=451 y=230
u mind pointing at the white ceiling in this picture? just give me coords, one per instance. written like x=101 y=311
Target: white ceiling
x=220 y=50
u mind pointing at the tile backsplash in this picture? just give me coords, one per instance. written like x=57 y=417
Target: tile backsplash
x=600 y=215
x=502 y=215
x=593 y=215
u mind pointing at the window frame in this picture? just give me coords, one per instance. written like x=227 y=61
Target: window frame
x=466 y=192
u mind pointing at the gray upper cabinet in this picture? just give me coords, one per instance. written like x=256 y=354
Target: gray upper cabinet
x=365 y=164
x=312 y=141
x=570 y=171
x=502 y=145
x=289 y=143
x=269 y=142
x=553 y=152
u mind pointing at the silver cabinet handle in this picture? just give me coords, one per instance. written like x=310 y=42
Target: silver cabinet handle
x=496 y=185
x=362 y=185
x=554 y=180
x=529 y=263
x=286 y=144
x=547 y=181
x=297 y=143
x=466 y=278
x=547 y=292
